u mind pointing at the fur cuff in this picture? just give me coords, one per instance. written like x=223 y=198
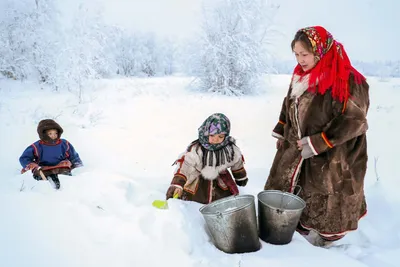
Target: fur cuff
x=319 y=143
x=278 y=130
x=311 y=145
x=179 y=180
x=242 y=181
x=278 y=136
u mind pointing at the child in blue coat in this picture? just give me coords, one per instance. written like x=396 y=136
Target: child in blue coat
x=51 y=155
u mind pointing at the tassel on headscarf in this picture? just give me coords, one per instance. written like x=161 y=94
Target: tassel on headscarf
x=221 y=156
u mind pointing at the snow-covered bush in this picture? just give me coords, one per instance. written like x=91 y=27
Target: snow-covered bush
x=232 y=50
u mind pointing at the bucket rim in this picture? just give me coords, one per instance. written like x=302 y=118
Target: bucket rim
x=225 y=199
x=282 y=193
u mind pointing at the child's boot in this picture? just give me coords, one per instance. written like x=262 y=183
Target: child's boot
x=55 y=180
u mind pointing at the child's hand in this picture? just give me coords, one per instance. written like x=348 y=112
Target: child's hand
x=32 y=166
x=174 y=190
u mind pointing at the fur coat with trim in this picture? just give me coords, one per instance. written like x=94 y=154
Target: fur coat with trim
x=332 y=180
x=203 y=184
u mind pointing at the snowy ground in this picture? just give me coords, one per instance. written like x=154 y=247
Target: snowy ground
x=128 y=133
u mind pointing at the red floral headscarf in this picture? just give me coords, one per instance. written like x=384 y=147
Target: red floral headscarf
x=333 y=68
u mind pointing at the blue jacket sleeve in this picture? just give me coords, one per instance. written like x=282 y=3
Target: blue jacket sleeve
x=27 y=156
x=74 y=157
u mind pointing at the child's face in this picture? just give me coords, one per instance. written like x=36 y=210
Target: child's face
x=53 y=134
x=215 y=139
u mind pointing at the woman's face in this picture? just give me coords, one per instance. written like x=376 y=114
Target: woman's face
x=305 y=58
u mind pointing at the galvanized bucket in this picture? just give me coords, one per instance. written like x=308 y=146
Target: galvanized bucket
x=278 y=215
x=232 y=224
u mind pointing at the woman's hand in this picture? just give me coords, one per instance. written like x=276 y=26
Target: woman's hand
x=279 y=143
x=299 y=145
x=305 y=148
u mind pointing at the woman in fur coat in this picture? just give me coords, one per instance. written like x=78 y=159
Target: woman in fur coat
x=322 y=144
x=202 y=174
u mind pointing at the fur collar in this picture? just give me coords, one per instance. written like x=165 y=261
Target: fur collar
x=195 y=155
x=299 y=85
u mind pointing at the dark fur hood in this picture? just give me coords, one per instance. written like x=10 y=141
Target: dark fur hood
x=45 y=125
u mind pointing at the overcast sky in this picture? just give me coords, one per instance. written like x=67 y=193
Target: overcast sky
x=369 y=29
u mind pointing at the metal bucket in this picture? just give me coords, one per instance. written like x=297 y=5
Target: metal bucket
x=232 y=223
x=278 y=215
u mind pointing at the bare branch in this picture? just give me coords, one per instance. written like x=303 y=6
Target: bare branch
x=22 y=186
x=376 y=168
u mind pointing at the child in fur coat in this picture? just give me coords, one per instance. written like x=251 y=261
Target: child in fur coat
x=51 y=155
x=202 y=171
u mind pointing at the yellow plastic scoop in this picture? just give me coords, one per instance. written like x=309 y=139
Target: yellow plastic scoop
x=163 y=204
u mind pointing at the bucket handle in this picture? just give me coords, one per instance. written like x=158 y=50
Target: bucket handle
x=300 y=188
x=297 y=194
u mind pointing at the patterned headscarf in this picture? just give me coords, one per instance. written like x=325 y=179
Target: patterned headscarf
x=217 y=123
x=333 y=68
x=218 y=154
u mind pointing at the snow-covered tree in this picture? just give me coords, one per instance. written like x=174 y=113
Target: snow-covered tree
x=82 y=56
x=46 y=41
x=143 y=54
x=396 y=69
x=132 y=56
x=231 y=54
x=15 y=42
x=168 y=62
x=28 y=39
